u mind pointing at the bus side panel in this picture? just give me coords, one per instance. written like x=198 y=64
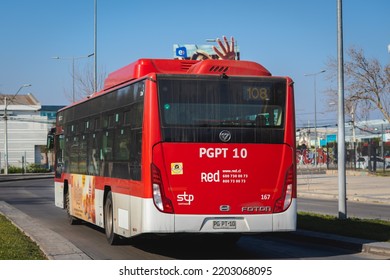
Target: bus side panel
x=151 y=133
x=136 y=210
x=99 y=201
x=290 y=134
x=135 y=215
x=87 y=201
x=121 y=212
x=82 y=197
x=127 y=205
x=129 y=215
x=59 y=194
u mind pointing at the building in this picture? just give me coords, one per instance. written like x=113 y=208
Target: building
x=50 y=111
x=25 y=126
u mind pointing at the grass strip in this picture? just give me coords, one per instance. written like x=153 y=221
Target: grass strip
x=15 y=245
x=377 y=230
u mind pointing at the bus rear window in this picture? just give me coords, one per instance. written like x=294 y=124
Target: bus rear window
x=234 y=115
x=243 y=105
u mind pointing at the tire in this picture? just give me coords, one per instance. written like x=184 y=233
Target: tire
x=112 y=238
x=71 y=219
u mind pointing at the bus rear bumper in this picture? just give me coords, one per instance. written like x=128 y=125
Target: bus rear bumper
x=170 y=223
x=285 y=221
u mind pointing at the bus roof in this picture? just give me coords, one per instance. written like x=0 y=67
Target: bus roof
x=145 y=66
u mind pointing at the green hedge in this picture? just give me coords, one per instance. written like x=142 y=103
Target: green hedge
x=31 y=168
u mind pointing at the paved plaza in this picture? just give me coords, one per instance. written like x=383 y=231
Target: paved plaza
x=362 y=187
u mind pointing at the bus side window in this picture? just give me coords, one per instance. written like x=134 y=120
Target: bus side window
x=59 y=146
x=93 y=155
x=122 y=143
x=107 y=145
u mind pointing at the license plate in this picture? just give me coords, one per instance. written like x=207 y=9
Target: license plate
x=224 y=224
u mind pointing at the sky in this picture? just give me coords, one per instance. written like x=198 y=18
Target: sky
x=290 y=38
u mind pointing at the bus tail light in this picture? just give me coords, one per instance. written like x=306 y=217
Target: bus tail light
x=162 y=203
x=288 y=192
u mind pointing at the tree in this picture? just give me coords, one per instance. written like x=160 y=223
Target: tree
x=366 y=85
x=84 y=82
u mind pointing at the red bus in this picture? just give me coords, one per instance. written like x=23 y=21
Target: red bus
x=180 y=146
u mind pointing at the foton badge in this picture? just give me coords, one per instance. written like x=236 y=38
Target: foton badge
x=225 y=136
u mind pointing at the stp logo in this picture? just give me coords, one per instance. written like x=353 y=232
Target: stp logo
x=185 y=199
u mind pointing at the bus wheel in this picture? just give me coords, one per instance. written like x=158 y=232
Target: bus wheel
x=71 y=219
x=112 y=237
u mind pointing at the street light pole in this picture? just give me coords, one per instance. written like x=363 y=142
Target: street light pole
x=73 y=58
x=6 y=128
x=95 y=48
x=342 y=203
x=5 y=137
x=315 y=112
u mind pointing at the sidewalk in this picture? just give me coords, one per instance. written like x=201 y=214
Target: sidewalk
x=359 y=188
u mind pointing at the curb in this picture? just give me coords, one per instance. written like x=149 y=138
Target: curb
x=28 y=176
x=350 y=243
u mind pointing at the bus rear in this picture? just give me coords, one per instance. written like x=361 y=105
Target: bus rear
x=224 y=160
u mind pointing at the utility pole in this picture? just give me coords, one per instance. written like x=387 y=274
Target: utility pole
x=95 y=48
x=5 y=137
x=341 y=120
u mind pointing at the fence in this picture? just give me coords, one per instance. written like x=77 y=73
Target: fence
x=371 y=156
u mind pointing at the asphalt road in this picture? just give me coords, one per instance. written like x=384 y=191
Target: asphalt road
x=35 y=198
x=354 y=209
